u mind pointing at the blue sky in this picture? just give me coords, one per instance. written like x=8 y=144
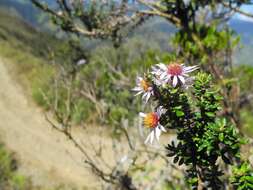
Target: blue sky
x=248 y=9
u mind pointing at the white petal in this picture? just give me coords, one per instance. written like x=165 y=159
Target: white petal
x=147 y=139
x=174 y=83
x=144 y=96
x=147 y=97
x=137 y=88
x=162 y=128
x=167 y=80
x=190 y=69
x=152 y=135
x=158 y=82
x=153 y=70
x=141 y=114
x=163 y=66
x=138 y=93
x=139 y=79
x=157 y=133
x=181 y=78
x=159 y=111
x=157 y=69
x=163 y=75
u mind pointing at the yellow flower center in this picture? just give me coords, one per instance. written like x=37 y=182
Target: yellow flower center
x=175 y=69
x=145 y=85
x=151 y=120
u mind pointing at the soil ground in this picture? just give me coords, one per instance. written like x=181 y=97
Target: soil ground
x=44 y=154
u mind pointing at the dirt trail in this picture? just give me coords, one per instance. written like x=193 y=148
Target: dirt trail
x=44 y=154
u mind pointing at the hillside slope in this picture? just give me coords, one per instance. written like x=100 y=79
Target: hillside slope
x=45 y=155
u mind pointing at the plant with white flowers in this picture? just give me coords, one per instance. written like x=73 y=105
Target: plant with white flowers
x=174 y=74
x=190 y=105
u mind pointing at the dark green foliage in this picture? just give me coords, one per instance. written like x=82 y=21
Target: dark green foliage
x=204 y=42
x=202 y=136
x=242 y=177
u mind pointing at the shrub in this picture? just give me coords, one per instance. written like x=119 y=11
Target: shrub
x=203 y=136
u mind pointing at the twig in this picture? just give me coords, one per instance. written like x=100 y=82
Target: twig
x=236 y=9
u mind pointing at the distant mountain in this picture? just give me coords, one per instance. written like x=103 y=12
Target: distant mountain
x=23 y=8
x=244 y=28
x=31 y=14
x=37 y=18
x=159 y=30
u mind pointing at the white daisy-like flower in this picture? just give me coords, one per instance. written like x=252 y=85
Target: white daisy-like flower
x=173 y=73
x=143 y=87
x=152 y=121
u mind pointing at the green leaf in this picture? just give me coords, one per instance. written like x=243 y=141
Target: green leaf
x=181 y=161
x=249 y=179
x=193 y=180
x=221 y=137
x=176 y=159
x=210 y=114
x=179 y=113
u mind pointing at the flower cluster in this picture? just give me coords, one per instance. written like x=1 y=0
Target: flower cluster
x=174 y=74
